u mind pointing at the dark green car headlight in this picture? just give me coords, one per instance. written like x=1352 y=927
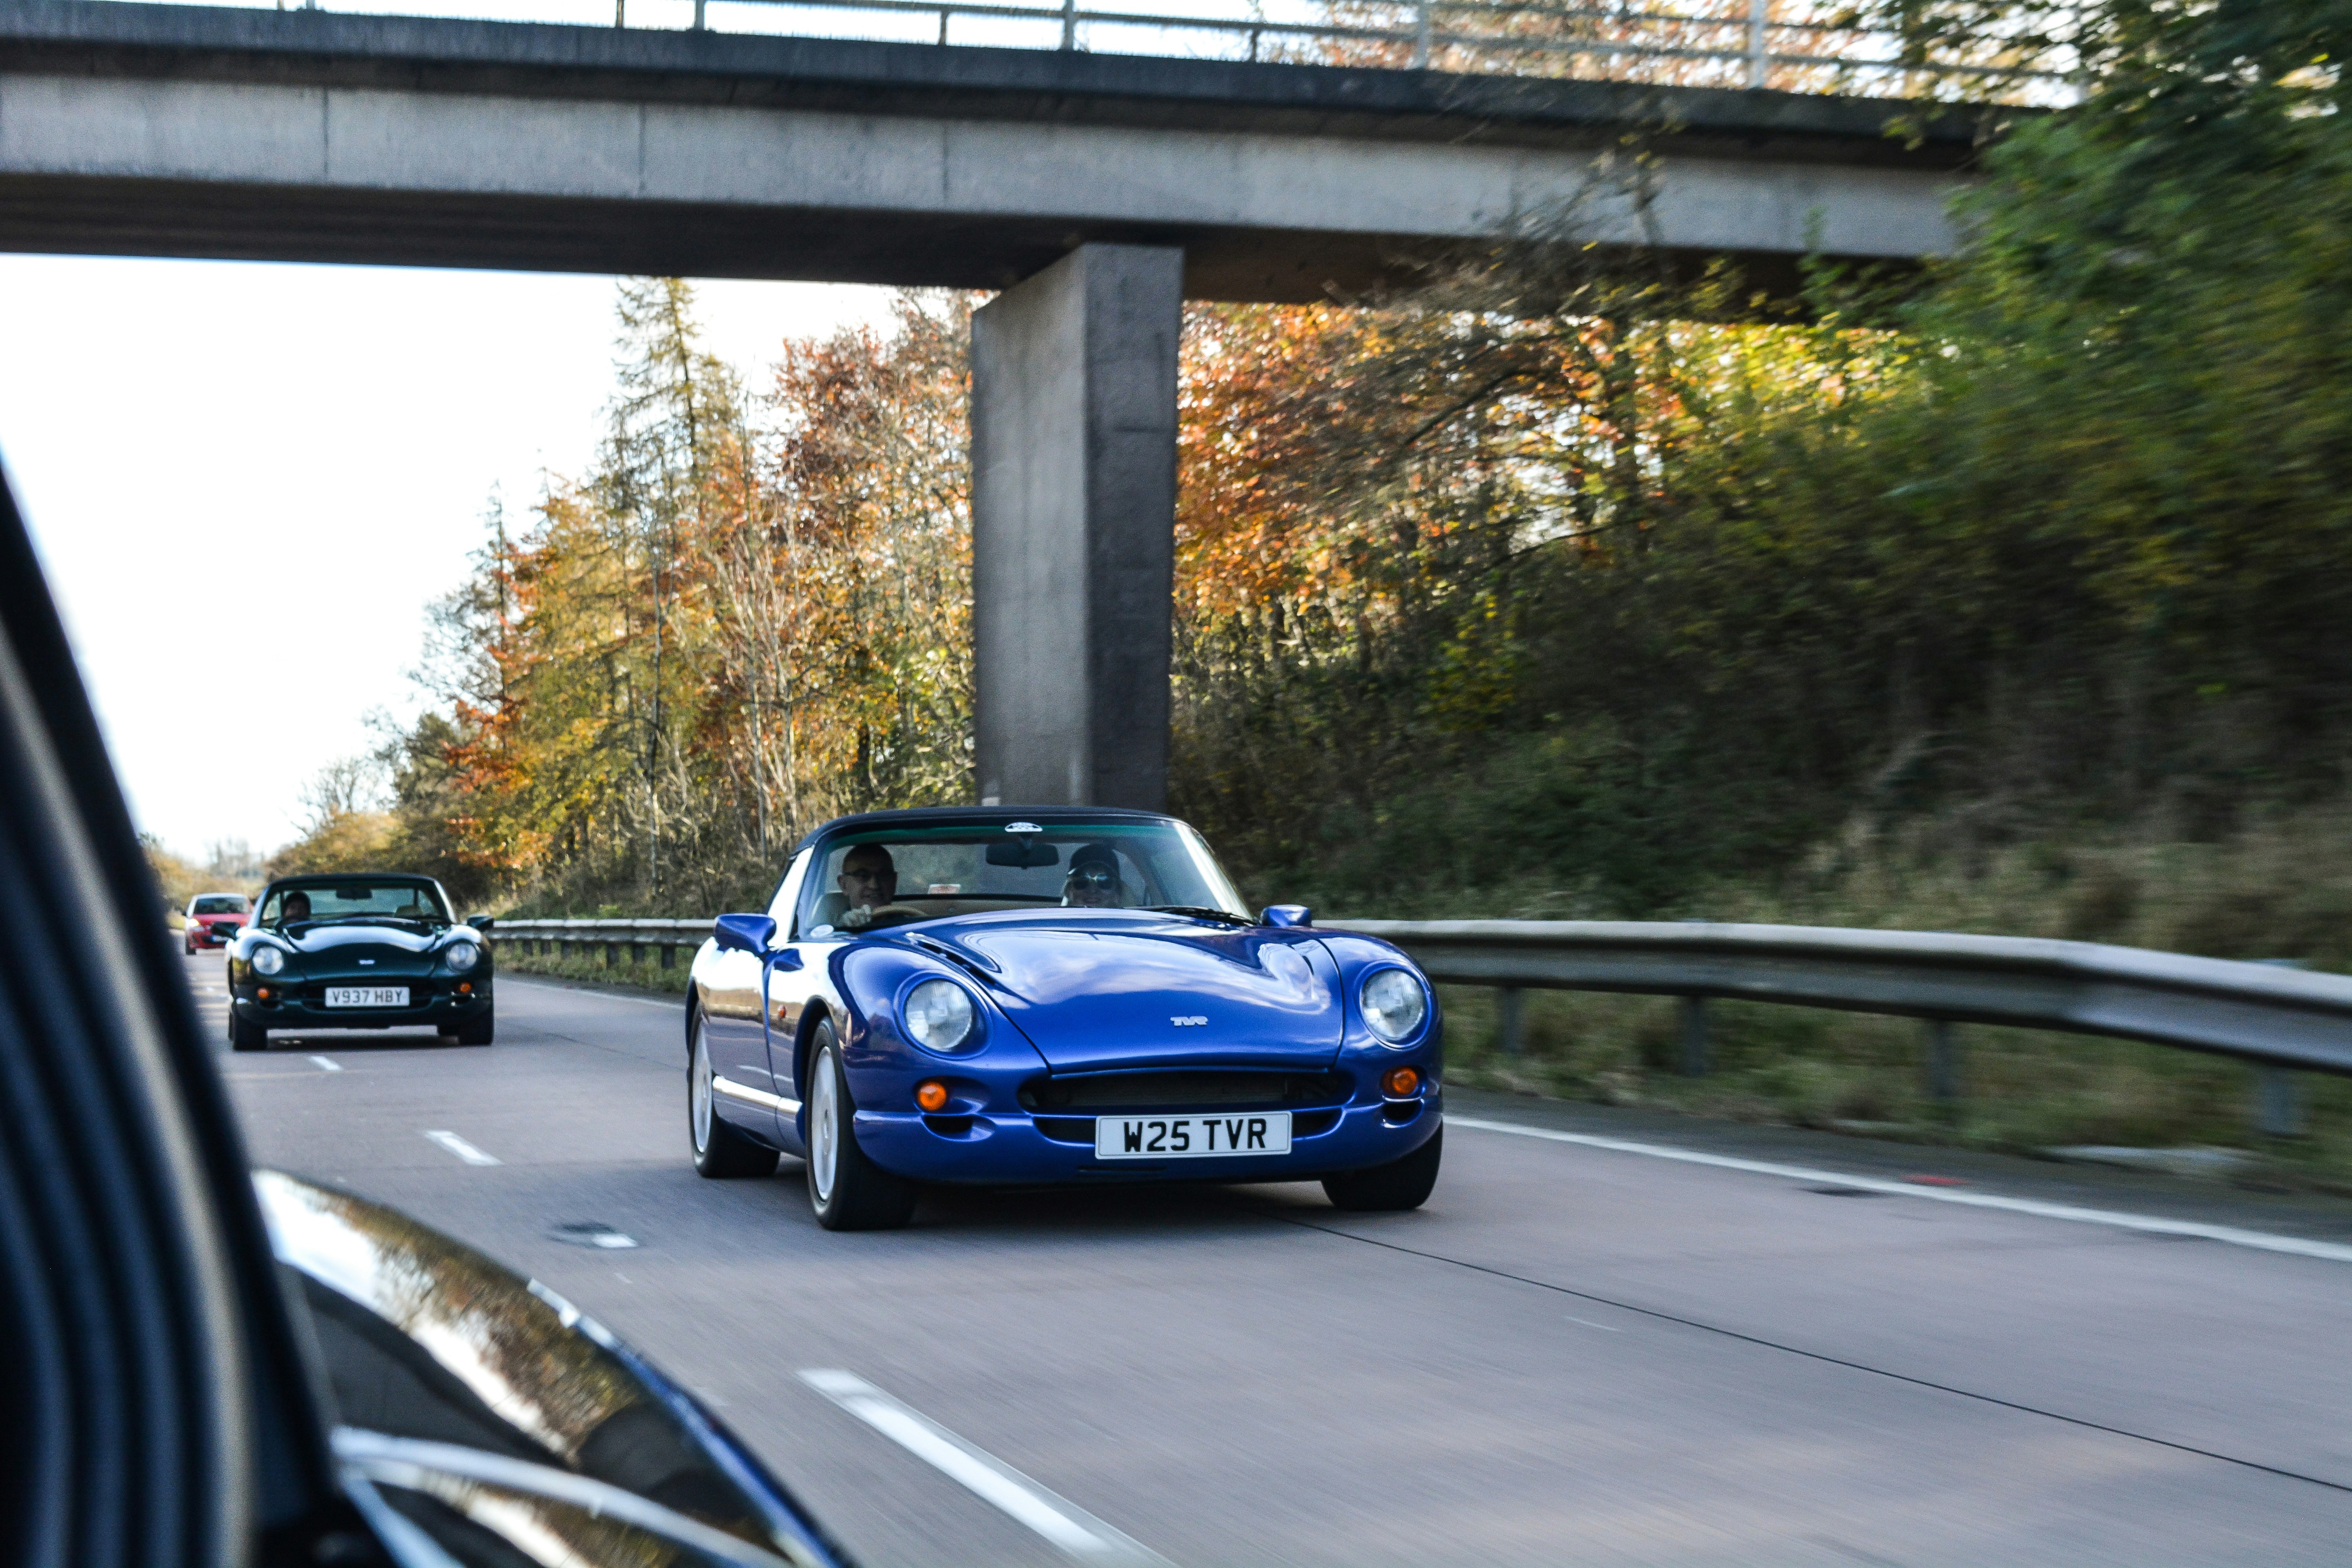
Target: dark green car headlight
x=268 y=960
x=462 y=956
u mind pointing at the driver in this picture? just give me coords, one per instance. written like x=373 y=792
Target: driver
x=296 y=908
x=869 y=878
x=1093 y=882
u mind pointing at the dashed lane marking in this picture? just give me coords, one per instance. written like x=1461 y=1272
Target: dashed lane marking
x=329 y=1064
x=2147 y=1225
x=463 y=1149
x=1059 y=1521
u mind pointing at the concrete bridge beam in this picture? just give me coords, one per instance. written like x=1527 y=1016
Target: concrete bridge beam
x=1073 y=519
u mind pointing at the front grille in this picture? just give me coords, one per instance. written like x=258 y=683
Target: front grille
x=1192 y=1090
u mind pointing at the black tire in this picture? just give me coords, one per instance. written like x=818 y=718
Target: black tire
x=720 y=1150
x=479 y=1031
x=245 y=1037
x=1404 y=1183
x=849 y=1191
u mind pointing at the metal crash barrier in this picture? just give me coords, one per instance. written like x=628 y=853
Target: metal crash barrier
x=2275 y=1017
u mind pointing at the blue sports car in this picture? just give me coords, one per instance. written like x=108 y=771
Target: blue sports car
x=1051 y=994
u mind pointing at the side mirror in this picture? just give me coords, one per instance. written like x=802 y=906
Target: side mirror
x=480 y=922
x=1286 y=915
x=745 y=933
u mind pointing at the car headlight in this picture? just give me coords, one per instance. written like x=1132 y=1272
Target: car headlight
x=938 y=1014
x=1393 y=1004
x=268 y=960
x=462 y=956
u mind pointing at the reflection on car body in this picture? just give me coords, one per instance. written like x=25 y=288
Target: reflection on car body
x=480 y=1406
x=1066 y=977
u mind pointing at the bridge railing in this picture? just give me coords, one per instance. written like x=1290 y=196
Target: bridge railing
x=2275 y=1017
x=1725 y=43
x=1806 y=46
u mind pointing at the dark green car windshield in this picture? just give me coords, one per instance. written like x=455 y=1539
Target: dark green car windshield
x=361 y=898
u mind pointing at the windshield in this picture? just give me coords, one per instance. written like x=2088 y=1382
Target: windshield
x=318 y=903
x=219 y=904
x=889 y=876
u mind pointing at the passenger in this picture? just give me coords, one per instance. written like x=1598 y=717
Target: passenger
x=870 y=879
x=296 y=908
x=1094 y=882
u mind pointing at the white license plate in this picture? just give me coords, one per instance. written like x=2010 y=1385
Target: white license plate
x=1191 y=1137
x=367 y=996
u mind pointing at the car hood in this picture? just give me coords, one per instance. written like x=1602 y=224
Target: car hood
x=367 y=950
x=1134 y=989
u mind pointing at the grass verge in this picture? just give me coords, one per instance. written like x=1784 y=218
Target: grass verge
x=2021 y=1090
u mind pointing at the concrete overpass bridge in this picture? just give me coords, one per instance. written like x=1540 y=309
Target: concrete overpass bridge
x=1097 y=192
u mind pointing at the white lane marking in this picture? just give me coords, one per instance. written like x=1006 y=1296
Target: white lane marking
x=463 y=1149
x=1059 y=1521
x=588 y=991
x=2261 y=1241
x=1591 y=1324
x=327 y=1064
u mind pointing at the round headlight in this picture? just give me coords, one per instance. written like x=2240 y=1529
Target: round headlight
x=268 y=960
x=938 y=1014
x=1393 y=1004
x=462 y=956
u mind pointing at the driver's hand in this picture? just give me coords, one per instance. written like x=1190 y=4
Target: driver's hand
x=857 y=917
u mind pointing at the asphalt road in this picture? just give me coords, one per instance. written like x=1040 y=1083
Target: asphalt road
x=1572 y=1354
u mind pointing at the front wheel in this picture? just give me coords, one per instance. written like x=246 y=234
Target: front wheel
x=245 y=1037
x=849 y=1191
x=718 y=1149
x=479 y=1031
x=1404 y=1183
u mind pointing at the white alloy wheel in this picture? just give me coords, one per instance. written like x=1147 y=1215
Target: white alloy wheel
x=824 y=1127
x=698 y=1090
x=719 y=1149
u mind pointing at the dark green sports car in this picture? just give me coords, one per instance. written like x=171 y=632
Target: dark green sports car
x=371 y=951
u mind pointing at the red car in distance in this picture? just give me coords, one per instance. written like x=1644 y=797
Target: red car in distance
x=214 y=920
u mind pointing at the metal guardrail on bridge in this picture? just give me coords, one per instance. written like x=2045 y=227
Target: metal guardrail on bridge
x=1804 y=46
x=2274 y=1017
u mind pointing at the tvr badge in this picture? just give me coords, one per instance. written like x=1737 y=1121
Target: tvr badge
x=1194 y=1022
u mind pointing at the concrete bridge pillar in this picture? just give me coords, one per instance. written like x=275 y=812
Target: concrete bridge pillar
x=1073 y=522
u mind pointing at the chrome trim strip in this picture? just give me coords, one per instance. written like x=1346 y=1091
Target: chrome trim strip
x=751 y=1095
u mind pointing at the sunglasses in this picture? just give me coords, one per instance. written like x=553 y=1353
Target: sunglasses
x=1093 y=876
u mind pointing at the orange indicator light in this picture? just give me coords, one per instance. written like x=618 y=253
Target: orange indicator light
x=1401 y=1081
x=263 y=993
x=931 y=1094
x=464 y=987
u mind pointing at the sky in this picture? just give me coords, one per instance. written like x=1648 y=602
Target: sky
x=247 y=481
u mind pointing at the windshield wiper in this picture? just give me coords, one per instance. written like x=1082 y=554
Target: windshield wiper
x=1227 y=916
